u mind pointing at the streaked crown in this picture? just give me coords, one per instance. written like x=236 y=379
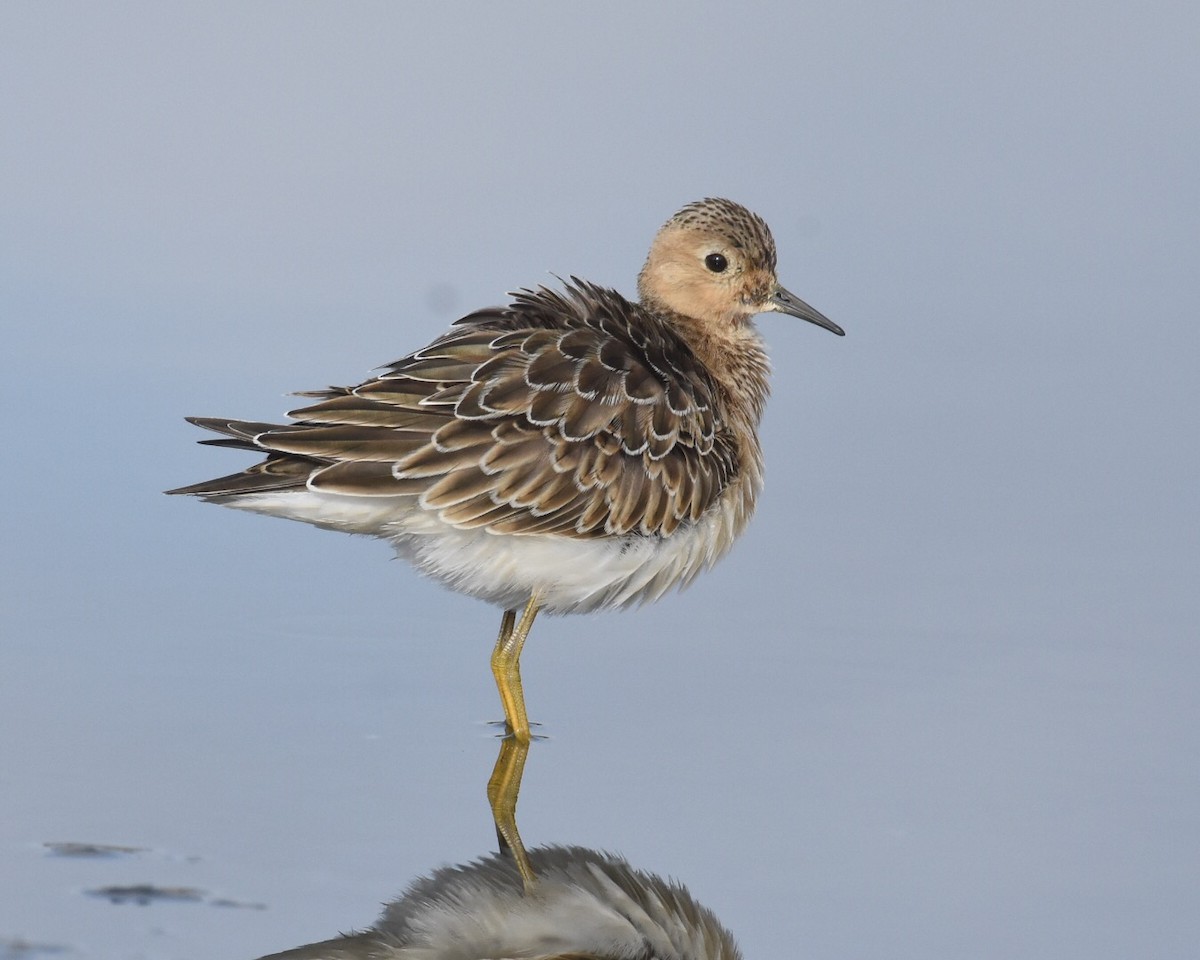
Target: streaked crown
x=743 y=228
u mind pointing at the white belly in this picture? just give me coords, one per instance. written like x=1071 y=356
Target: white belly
x=568 y=575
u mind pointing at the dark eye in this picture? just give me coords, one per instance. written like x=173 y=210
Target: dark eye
x=716 y=262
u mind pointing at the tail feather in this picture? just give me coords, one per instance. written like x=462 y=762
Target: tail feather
x=232 y=443
x=274 y=473
x=277 y=472
x=242 y=429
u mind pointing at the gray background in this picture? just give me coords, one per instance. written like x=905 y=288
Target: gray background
x=941 y=700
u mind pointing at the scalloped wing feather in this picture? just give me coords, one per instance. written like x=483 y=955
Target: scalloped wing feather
x=571 y=412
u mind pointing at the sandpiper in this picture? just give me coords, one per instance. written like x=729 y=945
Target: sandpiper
x=571 y=451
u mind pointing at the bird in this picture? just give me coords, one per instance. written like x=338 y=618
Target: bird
x=570 y=451
x=589 y=906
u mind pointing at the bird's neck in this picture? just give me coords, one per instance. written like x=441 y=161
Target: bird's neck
x=735 y=356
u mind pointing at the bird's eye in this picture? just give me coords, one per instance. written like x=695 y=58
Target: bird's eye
x=716 y=262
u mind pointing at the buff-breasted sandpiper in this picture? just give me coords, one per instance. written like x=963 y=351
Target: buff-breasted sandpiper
x=571 y=451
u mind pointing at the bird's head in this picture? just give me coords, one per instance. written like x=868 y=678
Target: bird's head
x=714 y=261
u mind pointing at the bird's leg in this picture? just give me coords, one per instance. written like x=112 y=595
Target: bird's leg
x=505 y=782
x=503 y=787
x=506 y=667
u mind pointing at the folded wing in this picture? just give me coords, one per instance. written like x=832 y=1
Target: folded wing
x=555 y=414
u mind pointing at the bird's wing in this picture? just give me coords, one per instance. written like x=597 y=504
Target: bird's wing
x=562 y=413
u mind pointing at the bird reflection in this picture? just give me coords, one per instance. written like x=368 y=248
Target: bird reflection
x=549 y=903
x=588 y=906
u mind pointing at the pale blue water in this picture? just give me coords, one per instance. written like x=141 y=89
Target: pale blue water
x=941 y=700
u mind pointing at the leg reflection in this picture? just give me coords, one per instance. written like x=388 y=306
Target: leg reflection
x=502 y=790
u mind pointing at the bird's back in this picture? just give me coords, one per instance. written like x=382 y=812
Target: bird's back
x=577 y=414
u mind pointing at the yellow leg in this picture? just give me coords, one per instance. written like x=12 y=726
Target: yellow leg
x=503 y=788
x=506 y=667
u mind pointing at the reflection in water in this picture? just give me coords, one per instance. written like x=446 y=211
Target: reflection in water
x=552 y=903
x=502 y=790
x=587 y=905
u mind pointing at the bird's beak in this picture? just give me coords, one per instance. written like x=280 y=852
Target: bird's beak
x=785 y=302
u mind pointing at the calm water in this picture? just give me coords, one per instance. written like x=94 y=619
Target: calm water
x=940 y=701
